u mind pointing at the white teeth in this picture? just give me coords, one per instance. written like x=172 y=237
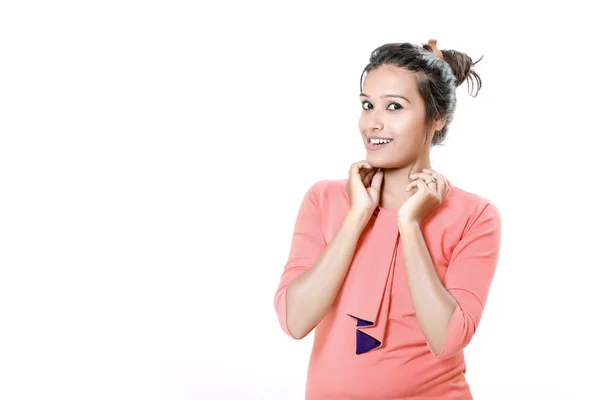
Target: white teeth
x=379 y=141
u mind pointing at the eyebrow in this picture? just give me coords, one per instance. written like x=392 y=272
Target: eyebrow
x=388 y=95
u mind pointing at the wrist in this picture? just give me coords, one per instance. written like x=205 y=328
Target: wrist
x=360 y=218
x=408 y=223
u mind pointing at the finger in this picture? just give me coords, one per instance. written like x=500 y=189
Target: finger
x=366 y=173
x=365 y=169
x=358 y=170
x=431 y=183
x=377 y=179
x=364 y=164
x=442 y=185
x=355 y=167
x=361 y=168
x=417 y=183
x=424 y=178
x=367 y=179
x=420 y=175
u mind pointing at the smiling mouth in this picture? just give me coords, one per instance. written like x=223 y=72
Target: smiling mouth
x=380 y=143
x=374 y=146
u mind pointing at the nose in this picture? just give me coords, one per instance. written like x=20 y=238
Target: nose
x=376 y=122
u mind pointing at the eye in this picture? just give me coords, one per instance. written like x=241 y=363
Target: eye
x=396 y=104
x=368 y=106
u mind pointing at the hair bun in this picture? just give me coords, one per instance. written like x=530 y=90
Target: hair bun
x=462 y=68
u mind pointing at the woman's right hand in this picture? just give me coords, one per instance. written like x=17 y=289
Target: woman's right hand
x=364 y=187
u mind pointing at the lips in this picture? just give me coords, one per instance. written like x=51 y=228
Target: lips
x=375 y=147
x=378 y=137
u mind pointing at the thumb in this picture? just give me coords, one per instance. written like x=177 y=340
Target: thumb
x=376 y=181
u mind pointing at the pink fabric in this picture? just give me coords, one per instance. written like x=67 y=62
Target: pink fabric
x=463 y=238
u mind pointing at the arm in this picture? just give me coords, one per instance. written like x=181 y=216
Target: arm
x=315 y=270
x=449 y=313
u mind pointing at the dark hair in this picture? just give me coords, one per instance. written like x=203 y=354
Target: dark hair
x=437 y=79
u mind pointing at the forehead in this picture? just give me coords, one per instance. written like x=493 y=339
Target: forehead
x=390 y=79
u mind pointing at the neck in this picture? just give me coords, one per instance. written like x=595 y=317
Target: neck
x=395 y=181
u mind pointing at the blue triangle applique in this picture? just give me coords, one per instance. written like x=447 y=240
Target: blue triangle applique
x=365 y=342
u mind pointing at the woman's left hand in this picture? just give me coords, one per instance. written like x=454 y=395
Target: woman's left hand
x=425 y=199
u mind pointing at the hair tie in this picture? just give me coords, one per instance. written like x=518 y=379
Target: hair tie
x=433 y=45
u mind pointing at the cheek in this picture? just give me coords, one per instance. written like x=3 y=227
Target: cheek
x=406 y=129
x=407 y=139
x=402 y=124
x=362 y=123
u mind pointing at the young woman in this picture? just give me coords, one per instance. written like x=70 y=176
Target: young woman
x=393 y=265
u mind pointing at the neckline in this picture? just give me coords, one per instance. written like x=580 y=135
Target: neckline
x=393 y=213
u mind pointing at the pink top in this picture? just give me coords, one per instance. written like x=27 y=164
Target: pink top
x=370 y=345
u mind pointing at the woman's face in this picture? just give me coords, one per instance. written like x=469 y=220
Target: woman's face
x=392 y=109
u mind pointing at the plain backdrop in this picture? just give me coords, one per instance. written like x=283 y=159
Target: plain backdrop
x=153 y=156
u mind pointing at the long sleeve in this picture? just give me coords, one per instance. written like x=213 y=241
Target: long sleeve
x=469 y=277
x=308 y=242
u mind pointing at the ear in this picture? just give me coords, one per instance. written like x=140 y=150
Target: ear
x=439 y=124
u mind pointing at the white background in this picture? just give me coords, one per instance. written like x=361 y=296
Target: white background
x=153 y=156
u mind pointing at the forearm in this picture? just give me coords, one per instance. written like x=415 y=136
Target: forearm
x=433 y=304
x=310 y=296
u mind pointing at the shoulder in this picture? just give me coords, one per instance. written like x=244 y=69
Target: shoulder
x=472 y=207
x=316 y=191
x=327 y=187
x=328 y=194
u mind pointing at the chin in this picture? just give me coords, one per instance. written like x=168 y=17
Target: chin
x=376 y=161
x=382 y=162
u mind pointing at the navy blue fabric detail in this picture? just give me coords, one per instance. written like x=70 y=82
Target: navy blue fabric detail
x=364 y=342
